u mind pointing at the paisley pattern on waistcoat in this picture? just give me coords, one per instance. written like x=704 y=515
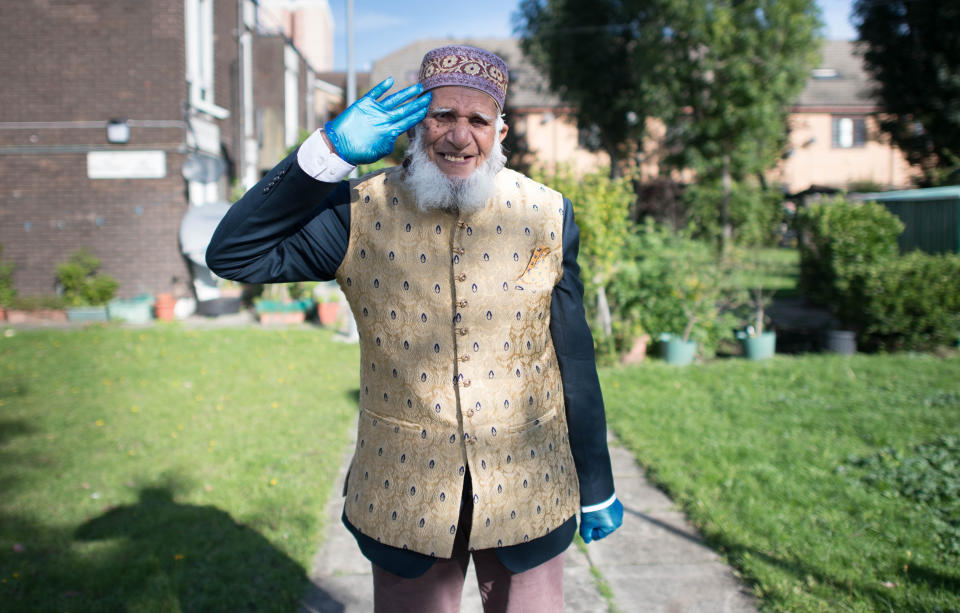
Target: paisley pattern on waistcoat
x=457 y=367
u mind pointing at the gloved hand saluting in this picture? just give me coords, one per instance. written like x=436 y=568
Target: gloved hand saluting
x=595 y=525
x=368 y=129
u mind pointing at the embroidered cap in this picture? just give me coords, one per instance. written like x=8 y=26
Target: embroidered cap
x=467 y=67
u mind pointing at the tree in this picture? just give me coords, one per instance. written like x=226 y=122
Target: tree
x=911 y=49
x=722 y=75
x=598 y=56
x=733 y=69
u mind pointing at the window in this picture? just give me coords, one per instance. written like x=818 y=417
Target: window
x=198 y=26
x=849 y=132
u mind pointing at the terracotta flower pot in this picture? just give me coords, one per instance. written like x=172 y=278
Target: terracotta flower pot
x=163 y=307
x=327 y=312
x=638 y=352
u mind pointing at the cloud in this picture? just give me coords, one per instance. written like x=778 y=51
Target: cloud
x=373 y=21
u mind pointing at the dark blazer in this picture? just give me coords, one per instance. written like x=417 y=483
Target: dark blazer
x=291 y=227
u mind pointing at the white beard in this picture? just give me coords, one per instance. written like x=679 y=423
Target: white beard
x=432 y=189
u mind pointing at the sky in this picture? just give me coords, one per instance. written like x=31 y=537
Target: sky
x=383 y=26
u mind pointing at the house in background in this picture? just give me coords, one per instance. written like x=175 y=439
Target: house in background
x=541 y=123
x=835 y=141
x=118 y=117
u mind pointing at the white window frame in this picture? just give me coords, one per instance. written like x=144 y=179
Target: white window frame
x=198 y=31
x=848 y=132
x=291 y=96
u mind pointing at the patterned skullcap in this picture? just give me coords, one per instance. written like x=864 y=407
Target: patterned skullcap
x=467 y=67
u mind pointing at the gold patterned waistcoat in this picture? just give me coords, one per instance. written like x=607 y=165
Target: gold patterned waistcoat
x=457 y=367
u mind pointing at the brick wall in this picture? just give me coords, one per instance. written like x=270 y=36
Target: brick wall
x=89 y=62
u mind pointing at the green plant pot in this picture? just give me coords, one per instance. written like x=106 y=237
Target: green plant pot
x=677 y=351
x=87 y=313
x=281 y=306
x=758 y=347
x=137 y=310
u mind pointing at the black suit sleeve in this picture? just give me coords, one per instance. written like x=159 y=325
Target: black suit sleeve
x=288 y=227
x=573 y=344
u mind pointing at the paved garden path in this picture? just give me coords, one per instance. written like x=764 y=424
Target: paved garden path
x=655 y=563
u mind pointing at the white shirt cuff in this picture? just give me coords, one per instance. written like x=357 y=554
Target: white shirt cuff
x=600 y=505
x=317 y=160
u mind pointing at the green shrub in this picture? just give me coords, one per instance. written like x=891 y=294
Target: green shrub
x=850 y=262
x=673 y=284
x=602 y=210
x=35 y=303
x=7 y=291
x=838 y=237
x=755 y=212
x=80 y=284
x=909 y=302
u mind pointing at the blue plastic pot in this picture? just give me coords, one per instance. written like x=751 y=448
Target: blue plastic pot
x=758 y=347
x=677 y=351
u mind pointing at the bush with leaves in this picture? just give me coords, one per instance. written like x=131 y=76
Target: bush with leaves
x=849 y=261
x=909 y=302
x=674 y=284
x=602 y=210
x=838 y=238
x=81 y=284
x=754 y=212
x=7 y=291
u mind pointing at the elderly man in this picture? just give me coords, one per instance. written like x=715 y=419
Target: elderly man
x=481 y=425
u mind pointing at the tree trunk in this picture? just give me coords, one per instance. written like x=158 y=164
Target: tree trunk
x=603 y=312
x=726 y=230
x=614 y=161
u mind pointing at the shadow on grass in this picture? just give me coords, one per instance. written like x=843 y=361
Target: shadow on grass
x=198 y=555
x=154 y=555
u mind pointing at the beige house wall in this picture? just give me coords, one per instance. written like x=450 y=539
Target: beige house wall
x=553 y=141
x=815 y=161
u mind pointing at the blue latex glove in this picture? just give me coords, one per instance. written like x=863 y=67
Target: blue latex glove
x=368 y=129
x=596 y=525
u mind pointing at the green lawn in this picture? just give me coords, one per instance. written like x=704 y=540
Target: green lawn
x=804 y=471
x=167 y=469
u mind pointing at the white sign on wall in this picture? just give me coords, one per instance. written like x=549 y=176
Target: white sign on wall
x=126 y=164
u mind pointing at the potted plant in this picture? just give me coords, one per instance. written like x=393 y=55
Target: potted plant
x=137 y=310
x=229 y=301
x=700 y=298
x=283 y=303
x=85 y=291
x=758 y=343
x=327 y=310
x=638 y=345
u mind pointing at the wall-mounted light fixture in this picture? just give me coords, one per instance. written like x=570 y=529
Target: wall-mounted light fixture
x=118 y=131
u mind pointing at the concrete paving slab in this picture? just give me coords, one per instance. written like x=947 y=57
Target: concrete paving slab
x=677 y=588
x=655 y=563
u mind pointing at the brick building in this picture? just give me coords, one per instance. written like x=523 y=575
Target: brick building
x=116 y=117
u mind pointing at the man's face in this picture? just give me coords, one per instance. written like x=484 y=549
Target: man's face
x=460 y=129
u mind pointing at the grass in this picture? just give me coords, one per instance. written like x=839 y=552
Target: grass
x=771 y=268
x=166 y=469
x=765 y=457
